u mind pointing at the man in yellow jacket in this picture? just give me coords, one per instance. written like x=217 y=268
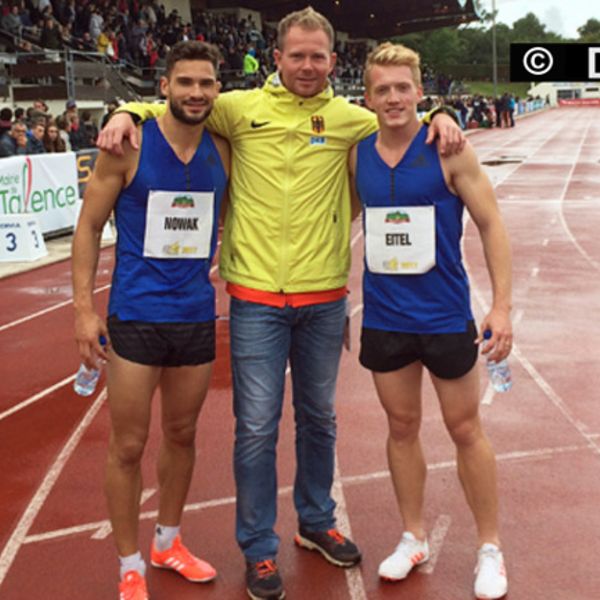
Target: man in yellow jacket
x=285 y=255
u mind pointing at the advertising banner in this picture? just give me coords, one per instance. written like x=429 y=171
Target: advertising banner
x=86 y=159
x=579 y=101
x=44 y=185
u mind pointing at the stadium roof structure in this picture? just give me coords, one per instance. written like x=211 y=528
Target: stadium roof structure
x=376 y=19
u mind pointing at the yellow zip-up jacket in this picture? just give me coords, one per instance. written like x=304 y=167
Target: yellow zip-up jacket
x=288 y=224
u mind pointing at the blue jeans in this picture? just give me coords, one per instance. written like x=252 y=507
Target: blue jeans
x=262 y=339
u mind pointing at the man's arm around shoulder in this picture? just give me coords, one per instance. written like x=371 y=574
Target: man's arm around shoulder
x=122 y=125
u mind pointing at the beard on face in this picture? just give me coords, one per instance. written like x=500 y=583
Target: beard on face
x=179 y=113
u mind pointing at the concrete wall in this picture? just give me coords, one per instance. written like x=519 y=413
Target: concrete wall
x=182 y=6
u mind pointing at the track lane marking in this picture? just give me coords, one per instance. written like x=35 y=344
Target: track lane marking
x=45 y=311
x=35 y=505
x=354 y=579
x=563 y=195
x=350 y=480
x=543 y=384
x=36 y=397
x=436 y=541
x=64 y=303
x=106 y=528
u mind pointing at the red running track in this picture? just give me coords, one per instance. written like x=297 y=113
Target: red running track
x=55 y=541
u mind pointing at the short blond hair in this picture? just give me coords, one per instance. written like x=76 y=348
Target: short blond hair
x=307 y=18
x=397 y=55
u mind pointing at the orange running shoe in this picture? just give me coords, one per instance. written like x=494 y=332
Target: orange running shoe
x=180 y=559
x=133 y=587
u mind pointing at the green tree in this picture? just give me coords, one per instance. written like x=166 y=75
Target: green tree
x=590 y=31
x=529 y=29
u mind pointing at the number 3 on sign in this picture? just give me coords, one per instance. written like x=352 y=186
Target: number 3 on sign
x=12 y=242
x=20 y=238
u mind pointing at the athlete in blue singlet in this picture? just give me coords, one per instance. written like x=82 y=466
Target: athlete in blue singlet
x=161 y=314
x=417 y=309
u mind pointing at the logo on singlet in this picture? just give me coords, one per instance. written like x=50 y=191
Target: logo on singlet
x=397 y=217
x=419 y=162
x=183 y=202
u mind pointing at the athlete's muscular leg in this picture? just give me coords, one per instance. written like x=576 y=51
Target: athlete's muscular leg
x=400 y=395
x=459 y=399
x=183 y=390
x=130 y=389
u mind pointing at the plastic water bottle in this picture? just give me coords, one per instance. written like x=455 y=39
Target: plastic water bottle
x=86 y=379
x=499 y=372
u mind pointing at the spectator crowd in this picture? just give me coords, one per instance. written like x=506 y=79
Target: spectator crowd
x=140 y=33
x=35 y=131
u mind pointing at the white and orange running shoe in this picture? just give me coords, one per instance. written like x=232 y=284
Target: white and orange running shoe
x=409 y=553
x=133 y=587
x=490 y=574
x=180 y=559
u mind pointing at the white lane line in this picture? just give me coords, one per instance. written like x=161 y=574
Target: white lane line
x=354 y=579
x=563 y=195
x=144 y=516
x=546 y=388
x=19 y=534
x=36 y=397
x=517 y=456
x=521 y=456
x=556 y=400
x=545 y=242
x=106 y=528
x=436 y=541
x=46 y=310
x=66 y=303
x=66 y=380
x=535 y=271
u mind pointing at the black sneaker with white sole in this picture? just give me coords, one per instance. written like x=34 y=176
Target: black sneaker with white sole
x=336 y=548
x=263 y=581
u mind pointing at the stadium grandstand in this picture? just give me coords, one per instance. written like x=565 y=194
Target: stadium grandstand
x=66 y=64
x=92 y=51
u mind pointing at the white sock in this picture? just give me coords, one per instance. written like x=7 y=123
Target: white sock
x=164 y=536
x=133 y=562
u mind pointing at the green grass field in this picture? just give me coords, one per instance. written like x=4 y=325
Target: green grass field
x=486 y=88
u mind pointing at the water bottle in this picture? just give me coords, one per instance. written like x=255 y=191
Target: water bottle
x=499 y=372
x=86 y=379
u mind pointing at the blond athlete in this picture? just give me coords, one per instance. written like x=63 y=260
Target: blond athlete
x=161 y=314
x=417 y=311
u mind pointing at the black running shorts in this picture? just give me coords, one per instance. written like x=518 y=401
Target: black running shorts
x=163 y=344
x=446 y=355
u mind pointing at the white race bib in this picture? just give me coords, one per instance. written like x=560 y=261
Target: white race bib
x=400 y=240
x=179 y=224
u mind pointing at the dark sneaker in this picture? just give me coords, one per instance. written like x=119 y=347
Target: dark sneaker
x=263 y=580
x=336 y=548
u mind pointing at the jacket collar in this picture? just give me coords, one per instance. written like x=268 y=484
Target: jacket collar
x=274 y=85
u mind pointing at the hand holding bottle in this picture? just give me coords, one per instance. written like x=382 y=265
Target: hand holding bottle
x=86 y=379
x=498 y=371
